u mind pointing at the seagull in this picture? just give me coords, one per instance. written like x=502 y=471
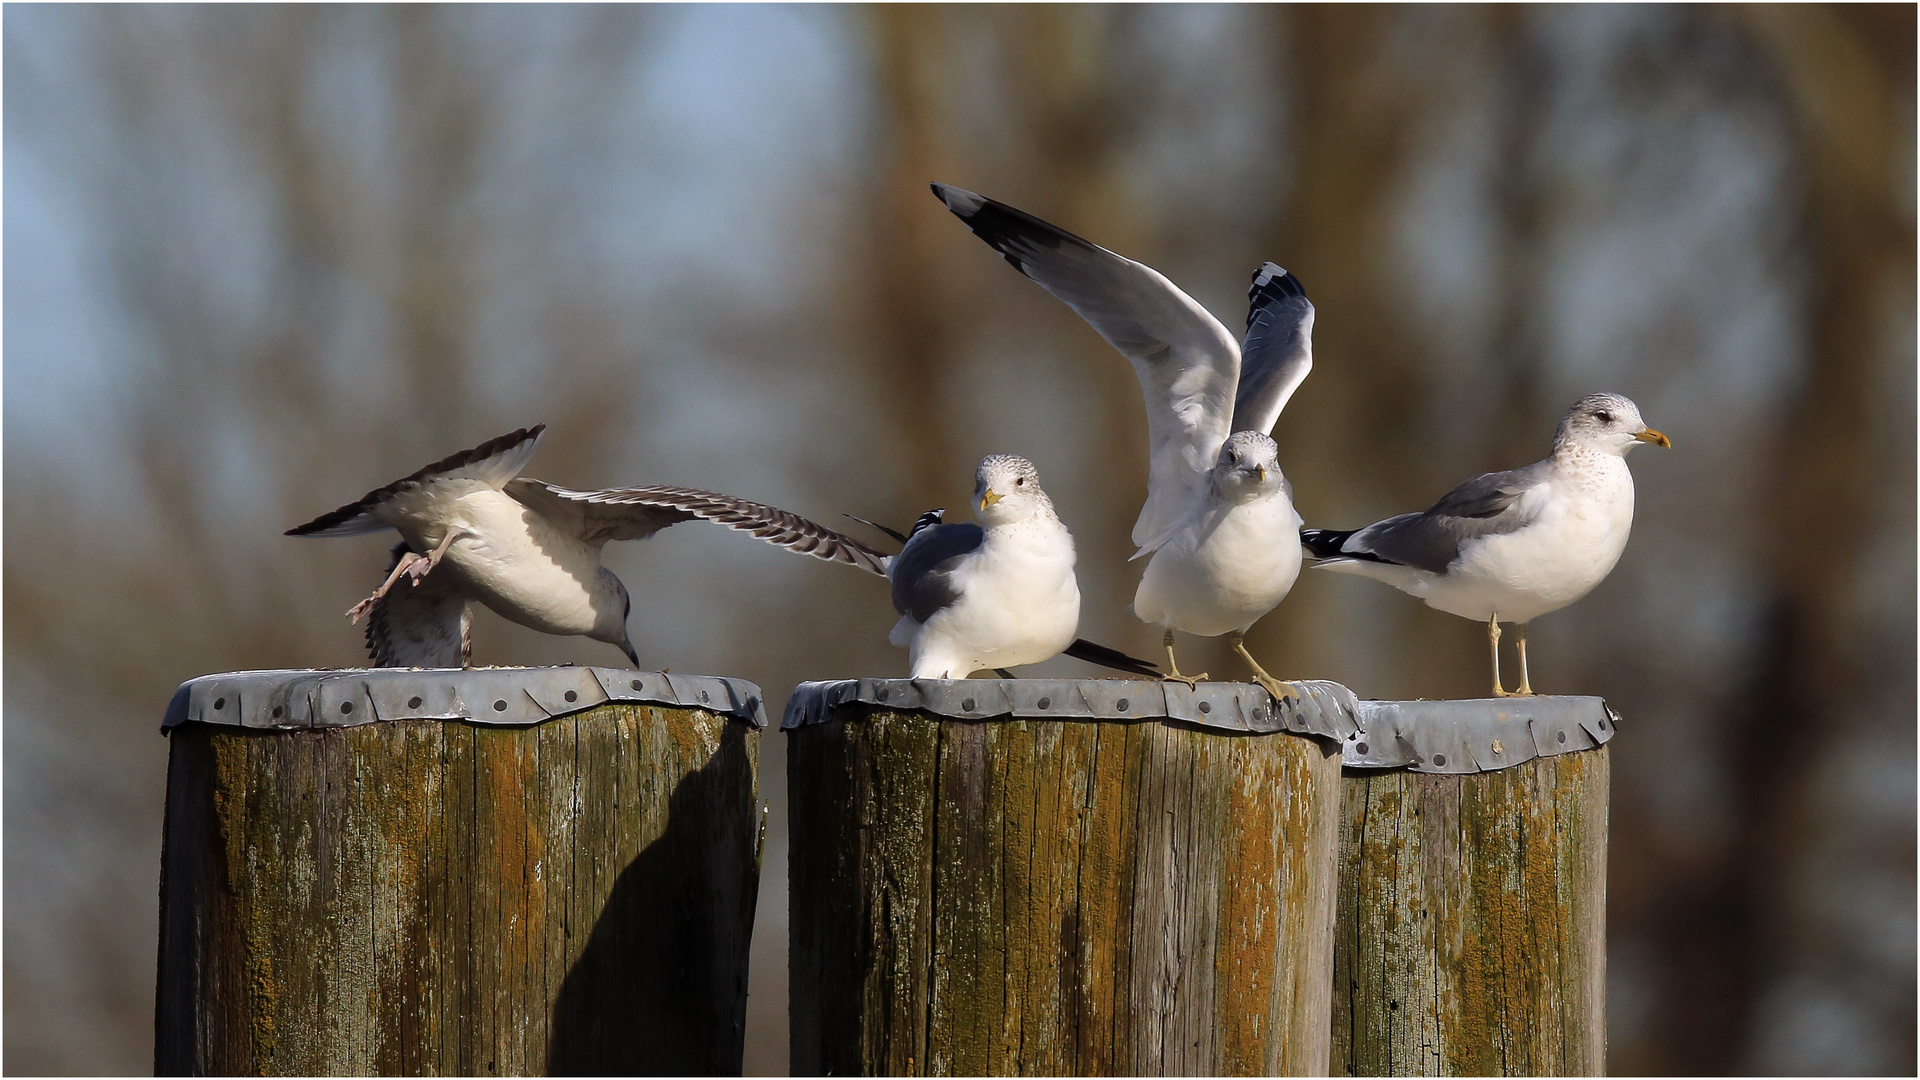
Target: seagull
x=1219 y=522
x=1511 y=546
x=472 y=529
x=993 y=595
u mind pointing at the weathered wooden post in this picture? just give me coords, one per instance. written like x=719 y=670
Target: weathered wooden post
x=1472 y=912
x=1057 y=877
x=491 y=871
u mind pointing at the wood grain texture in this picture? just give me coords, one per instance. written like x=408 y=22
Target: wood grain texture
x=1058 y=897
x=1471 y=938
x=427 y=897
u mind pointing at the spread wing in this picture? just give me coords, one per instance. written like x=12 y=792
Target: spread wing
x=1278 y=351
x=494 y=463
x=637 y=513
x=1490 y=504
x=923 y=573
x=1188 y=364
x=423 y=623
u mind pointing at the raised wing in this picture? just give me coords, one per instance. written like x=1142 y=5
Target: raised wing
x=922 y=574
x=637 y=513
x=1278 y=350
x=424 y=623
x=494 y=463
x=1487 y=505
x=1188 y=364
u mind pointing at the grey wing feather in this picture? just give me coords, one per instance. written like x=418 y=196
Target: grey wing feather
x=922 y=574
x=1278 y=351
x=1487 y=505
x=637 y=513
x=1188 y=364
x=494 y=463
x=424 y=623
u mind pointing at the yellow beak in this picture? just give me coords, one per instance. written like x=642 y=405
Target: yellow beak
x=1653 y=437
x=1262 y=474
x=989 y=499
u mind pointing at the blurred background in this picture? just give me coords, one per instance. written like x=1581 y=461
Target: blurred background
x=261 y=259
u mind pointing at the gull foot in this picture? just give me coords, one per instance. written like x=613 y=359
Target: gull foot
x=1191 y=680
x=1280 y=691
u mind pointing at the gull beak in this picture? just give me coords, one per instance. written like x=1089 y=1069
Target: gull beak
x=1260 y=473
x=1654 y=437
x=989 y=499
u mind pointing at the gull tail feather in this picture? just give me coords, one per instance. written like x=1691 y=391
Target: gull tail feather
x=1093 y=653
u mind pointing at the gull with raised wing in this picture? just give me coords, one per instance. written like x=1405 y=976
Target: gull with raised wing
x=1511 y=546
x=473 y=529
x=1218 y=523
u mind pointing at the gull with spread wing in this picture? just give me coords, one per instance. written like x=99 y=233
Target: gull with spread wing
x=1219 y=523
x=473 y=529
x=1511 y=546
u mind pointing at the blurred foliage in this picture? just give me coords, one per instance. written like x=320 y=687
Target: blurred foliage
x=262 y=259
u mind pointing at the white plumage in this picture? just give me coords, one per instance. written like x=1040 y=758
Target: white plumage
x=998 y=594
x=1218 y=521
x=1512 y=546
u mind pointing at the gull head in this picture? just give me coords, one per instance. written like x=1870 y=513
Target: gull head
x=1608 y=423
x=1006 y=489
x=611 y=606
x=1248 y=466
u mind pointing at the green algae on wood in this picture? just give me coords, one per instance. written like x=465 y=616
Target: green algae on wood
x=1471 y=936
x=419 y=897
x=1058 y=897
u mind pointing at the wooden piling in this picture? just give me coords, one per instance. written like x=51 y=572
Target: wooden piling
x=1093 y=896
x=1471 y=937
x=436 y=896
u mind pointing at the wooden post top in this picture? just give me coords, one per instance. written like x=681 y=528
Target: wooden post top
x=1465 y=736
x=345 y=697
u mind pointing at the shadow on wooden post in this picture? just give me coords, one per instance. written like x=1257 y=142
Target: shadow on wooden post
x=1117 y=891
x=1472 y=909
x=521 y=891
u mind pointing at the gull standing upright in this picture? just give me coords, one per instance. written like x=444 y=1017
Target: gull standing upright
x=473 y=529
x=1512 y=546
x=1219 y=522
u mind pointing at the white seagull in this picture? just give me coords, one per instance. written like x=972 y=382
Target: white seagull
x=1512 y=546
x=993 y=595
x=1219 y=522
x=473 y=529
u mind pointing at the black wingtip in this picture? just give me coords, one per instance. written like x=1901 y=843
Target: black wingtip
x=1082 y=649
x=1272 y=284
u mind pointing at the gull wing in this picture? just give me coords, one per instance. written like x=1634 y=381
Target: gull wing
x=637 y=513
x=1490 y=504
x=1188 y=364
x=1278 y=350
x=922 y=574
x=423 y=623
x=493 y=463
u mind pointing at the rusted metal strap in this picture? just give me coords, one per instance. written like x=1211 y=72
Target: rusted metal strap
x=348 y=696
x=1478 y=735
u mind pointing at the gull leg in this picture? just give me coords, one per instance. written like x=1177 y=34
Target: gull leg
x=405 y=565
x=410 y=565
x=1520 y=643
x=1493 y=647
x=1267 y=682
x=1174 y=665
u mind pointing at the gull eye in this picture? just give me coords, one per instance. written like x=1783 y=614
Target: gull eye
x=1603 y=416
x=1020 y=481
